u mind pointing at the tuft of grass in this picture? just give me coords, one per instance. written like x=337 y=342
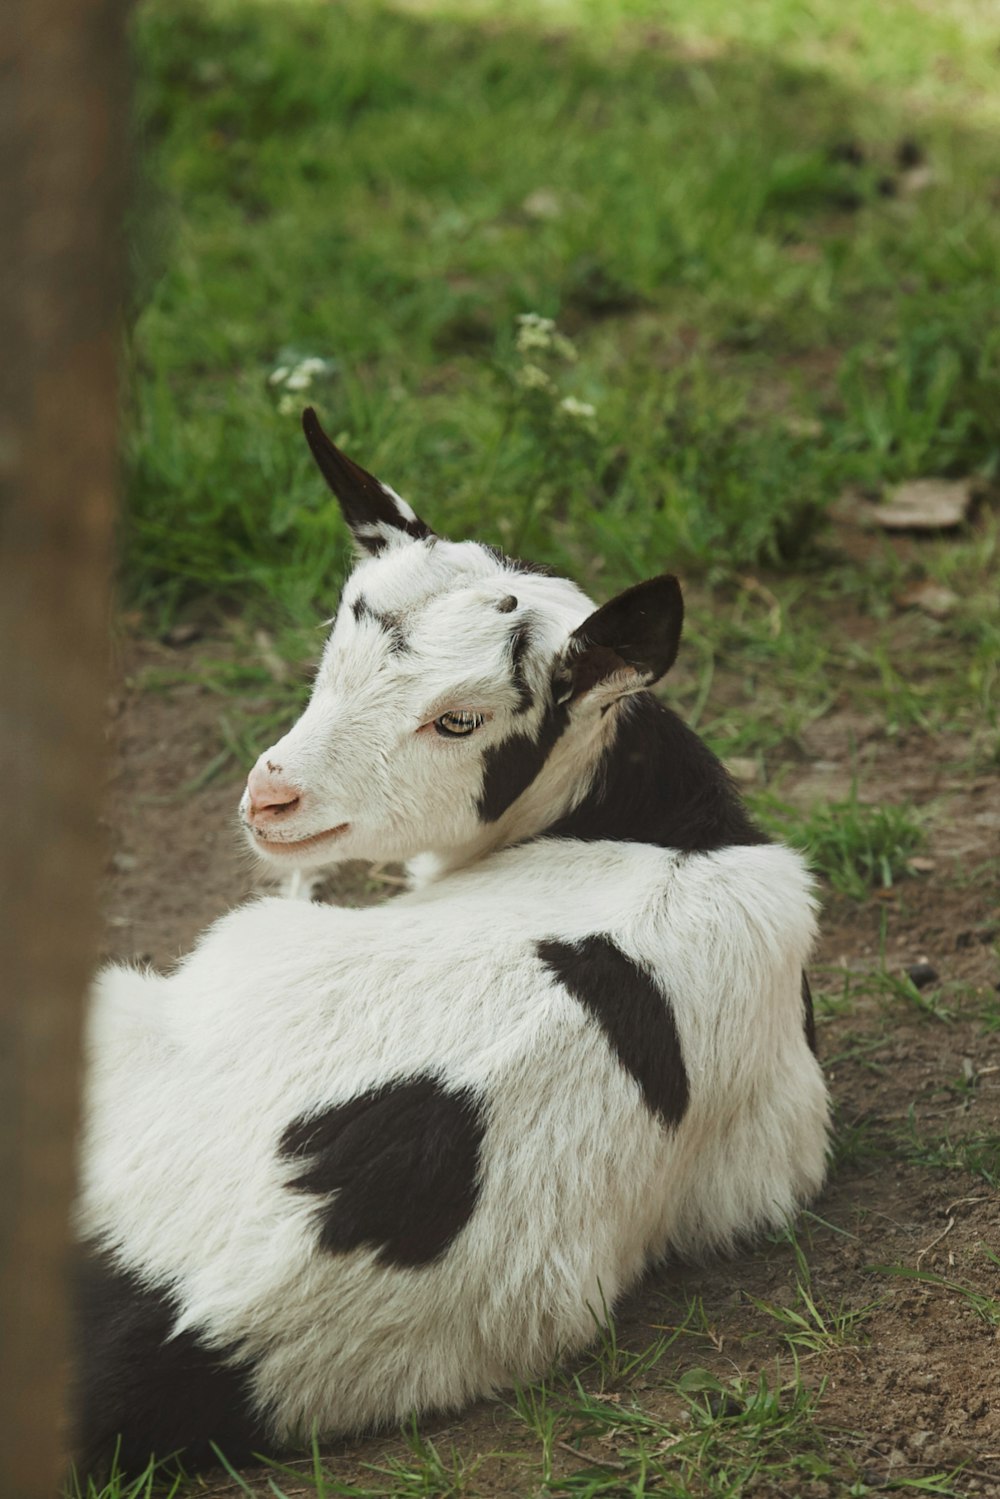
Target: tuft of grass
x=533 y=1405
x=747 y=1430
x=978 y=1154
x=154 y=1482
x=986 y=1308
x=856 y=846
x=614 y=1364
x=426 y=1473
x=813 y=1325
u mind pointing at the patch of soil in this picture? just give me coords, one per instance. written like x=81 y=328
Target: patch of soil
x=178 y=859
x=911 y=1387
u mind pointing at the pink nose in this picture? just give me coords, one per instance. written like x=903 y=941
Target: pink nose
x=270 y=796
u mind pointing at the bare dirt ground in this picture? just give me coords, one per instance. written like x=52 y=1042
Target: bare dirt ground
x=911 y=1386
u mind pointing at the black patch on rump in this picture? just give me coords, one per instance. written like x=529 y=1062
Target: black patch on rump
x=632 y=1012
x=400 y=1165
x=808 y=1017
x=658 y=783
x=140 y=1389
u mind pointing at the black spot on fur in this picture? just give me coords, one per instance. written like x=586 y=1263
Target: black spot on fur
x=658 y=783
x=808 y=1016
x=520 y=645
x=158 y=1394
x=510 y=767
x=388 y=623
x=507 y=605
x=633 y=1014
x=400 y=1165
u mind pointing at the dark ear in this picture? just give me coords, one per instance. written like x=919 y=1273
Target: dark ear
x=625 y=645
x=374 y=512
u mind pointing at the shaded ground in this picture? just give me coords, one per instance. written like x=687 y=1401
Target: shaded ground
x=904 y=1371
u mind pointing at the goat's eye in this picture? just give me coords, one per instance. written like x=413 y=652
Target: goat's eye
x=459 y=723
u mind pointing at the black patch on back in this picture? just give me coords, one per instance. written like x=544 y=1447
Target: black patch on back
x=158 y=1394
x=520 y=645
x=658 y=783
x=403 y=1161
x=510 y=767
x=808 y=1016
x=389 y=623
x=634 y=1015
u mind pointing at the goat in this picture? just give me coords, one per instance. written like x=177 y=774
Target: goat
x=343 y=1165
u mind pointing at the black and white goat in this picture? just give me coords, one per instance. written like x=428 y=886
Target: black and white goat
x=341 y=1165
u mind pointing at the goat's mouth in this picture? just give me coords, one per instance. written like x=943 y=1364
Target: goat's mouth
x=287 y=845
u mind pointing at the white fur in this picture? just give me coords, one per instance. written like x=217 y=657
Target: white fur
x=285 y=1008
x=356 y=752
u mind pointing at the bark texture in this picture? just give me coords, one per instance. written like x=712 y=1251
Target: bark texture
x=62 y=128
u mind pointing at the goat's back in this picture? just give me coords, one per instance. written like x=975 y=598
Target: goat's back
x=403 y=1156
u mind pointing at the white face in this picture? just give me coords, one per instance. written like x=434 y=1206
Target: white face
x=430 y=708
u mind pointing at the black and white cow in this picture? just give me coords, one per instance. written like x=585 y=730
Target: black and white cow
x=342 y=1165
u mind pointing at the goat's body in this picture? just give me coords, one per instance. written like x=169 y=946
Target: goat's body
x=581 y=1167
x=343 y=1165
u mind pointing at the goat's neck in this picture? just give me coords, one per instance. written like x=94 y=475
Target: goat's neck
x=640 y=775
x=568 y=773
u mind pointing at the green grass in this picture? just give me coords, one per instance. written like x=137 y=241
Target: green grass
x=855 y=846
x=151 y=1483
x=986 y=1308
x=385 y=189
x=812 y=1324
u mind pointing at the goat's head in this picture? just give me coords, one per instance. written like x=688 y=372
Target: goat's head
x=462 y=698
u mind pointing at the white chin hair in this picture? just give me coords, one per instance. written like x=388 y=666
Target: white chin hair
x=309 y=852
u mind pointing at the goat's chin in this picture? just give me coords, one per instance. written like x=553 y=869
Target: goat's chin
x=308 y=852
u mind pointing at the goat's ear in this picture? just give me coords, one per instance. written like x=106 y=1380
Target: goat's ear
x=626 y=645
x=374 y=512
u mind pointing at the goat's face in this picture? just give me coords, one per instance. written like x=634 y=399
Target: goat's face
x=449 y=678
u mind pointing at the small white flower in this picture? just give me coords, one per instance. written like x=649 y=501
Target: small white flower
x=534 y=332
x=299 y=379
x=313 y=366
x=278 y=376
x=288 y=406
x=532 y=377
x=577 y=411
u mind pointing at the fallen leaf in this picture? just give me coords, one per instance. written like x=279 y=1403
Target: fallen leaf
x=743 y=769
x=932 y=598
x=925 y=505
x=920 y=864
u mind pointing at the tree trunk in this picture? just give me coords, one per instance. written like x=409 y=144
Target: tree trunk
x=62 y=129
